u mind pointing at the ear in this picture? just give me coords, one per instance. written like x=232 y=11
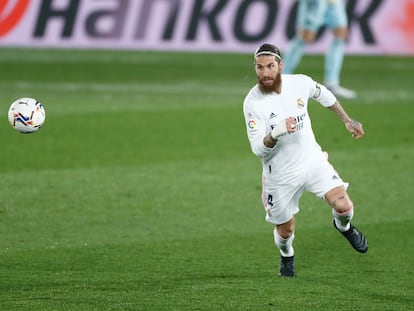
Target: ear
x=281 y=64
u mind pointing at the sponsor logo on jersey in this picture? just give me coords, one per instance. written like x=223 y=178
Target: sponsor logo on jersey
x=272 y=115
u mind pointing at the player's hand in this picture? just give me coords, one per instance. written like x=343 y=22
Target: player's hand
x=355 y=128
x=286 y=126
x=291 y=124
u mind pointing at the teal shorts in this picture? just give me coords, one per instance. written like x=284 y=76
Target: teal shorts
x=313 y=14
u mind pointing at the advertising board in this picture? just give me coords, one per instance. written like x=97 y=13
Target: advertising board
x=376 y=26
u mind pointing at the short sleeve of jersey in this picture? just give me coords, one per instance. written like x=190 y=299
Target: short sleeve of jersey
x=319 y=92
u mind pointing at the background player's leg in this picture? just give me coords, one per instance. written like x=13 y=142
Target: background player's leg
x=293 y=55
x=333 y=61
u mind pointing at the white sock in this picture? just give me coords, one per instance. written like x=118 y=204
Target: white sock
x=284 y=245
x=343 y=221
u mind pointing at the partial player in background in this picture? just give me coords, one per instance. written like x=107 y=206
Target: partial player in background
x=280 y=133
x=311 y=16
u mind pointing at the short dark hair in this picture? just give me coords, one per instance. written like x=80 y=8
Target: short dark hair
x=268 y=49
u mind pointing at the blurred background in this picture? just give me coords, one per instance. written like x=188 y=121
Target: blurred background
x=376 y=26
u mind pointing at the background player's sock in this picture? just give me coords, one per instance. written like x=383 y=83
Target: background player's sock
x=293 y=55
x=333 y=62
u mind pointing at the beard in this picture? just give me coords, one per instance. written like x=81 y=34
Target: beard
x=276 y=86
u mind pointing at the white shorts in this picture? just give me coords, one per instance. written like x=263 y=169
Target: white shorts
x=281 y=201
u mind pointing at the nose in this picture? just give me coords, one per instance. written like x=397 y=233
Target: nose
x=266 y=74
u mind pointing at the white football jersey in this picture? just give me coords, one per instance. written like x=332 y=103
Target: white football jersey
x=293 y=152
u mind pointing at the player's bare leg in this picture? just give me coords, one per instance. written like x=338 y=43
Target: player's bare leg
x=284 y=236
x=343 y=211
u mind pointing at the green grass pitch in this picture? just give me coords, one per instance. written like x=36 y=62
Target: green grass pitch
x=141 y=193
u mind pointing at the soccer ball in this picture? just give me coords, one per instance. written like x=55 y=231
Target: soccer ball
x=26 y=115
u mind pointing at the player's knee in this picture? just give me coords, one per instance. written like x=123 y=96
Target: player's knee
x=344 y=206
x=285 y=233
x=307 y=36
x=339 y=200
x=341 y=33
x=286 y=230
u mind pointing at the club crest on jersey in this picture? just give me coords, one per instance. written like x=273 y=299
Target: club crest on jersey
x=300 y=103
x=252 y=124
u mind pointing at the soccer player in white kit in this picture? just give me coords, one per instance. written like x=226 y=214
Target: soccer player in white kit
x=280 y=134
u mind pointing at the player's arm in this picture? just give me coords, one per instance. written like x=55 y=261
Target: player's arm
x=262 y=143
x=256 y=130
x=320 y=93
x=286 y=126
x=353 y=126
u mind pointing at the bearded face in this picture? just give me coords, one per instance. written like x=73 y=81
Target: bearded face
x=268 y=71
x=270 y=84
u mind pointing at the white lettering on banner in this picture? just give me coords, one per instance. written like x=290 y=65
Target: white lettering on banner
x=376 y=26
